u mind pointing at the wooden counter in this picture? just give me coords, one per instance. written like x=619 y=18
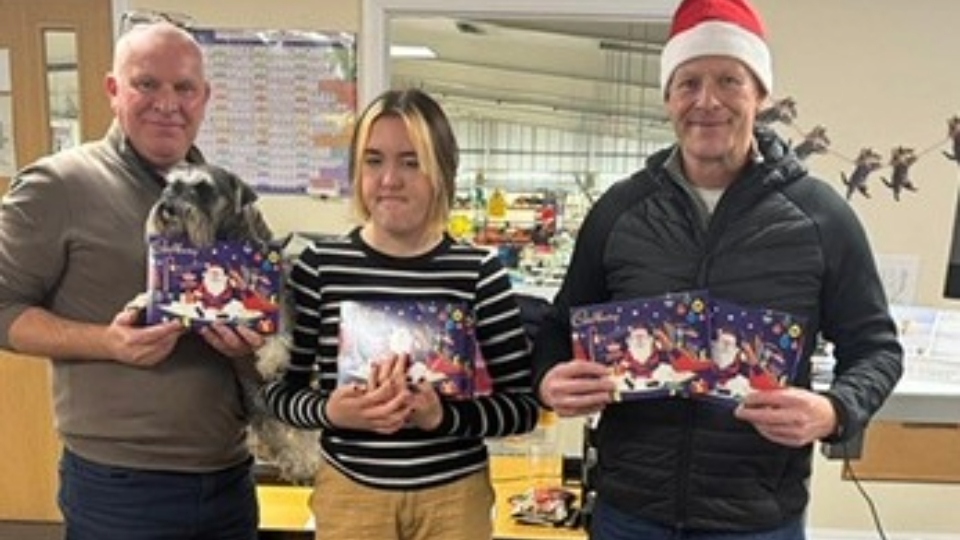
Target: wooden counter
x=285 y=508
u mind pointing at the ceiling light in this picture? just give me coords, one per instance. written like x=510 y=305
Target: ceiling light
x=411 y=51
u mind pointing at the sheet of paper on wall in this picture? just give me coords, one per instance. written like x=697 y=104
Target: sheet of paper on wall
x=898 y=273
x=946 y=337
x=931 y=343
x=4 y=70
x=8 y=158
x=915 y=326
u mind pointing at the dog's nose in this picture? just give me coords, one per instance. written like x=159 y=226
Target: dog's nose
x=167 y=210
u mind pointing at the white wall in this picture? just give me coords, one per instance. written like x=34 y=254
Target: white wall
x=876 y=73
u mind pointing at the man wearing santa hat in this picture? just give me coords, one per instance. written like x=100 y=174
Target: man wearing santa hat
x=728 y=208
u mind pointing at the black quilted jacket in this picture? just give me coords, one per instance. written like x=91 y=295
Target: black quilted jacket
x=778 y=238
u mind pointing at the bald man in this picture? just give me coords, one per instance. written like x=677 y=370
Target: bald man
x=152 y=418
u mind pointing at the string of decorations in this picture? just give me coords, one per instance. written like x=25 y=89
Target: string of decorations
x=869 y=160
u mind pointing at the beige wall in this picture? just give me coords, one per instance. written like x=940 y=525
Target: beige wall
x=876 y=73
x=880 y=73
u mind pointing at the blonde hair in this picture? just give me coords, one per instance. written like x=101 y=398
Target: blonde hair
x=433 y=140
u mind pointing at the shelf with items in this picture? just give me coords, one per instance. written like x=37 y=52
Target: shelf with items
x=531 y=230
x=497 y=217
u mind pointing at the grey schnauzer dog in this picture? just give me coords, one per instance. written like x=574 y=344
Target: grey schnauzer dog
x=204 y=204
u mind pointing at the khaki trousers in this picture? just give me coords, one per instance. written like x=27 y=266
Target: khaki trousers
x=346 y=510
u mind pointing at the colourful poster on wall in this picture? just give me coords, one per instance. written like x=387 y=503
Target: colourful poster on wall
x=282 y=107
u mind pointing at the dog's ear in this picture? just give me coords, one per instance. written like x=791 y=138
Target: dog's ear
x=231 y=183
x=245 y=195
x=250 y=223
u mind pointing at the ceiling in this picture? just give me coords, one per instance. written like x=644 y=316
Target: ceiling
x=596 y=77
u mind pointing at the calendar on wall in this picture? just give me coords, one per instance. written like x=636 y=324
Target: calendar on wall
x=282 y=107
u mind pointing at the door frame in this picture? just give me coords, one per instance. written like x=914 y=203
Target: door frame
x=29 y=444
x=374 y=40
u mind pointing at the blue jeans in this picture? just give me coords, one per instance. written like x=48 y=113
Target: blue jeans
x=608 y=523
x=101 y=502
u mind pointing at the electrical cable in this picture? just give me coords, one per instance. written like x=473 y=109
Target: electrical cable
x=874 y=513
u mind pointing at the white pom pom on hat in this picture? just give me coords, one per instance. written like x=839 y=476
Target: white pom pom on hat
x=717 y=28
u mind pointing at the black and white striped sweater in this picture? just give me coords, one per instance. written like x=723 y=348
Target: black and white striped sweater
x=332 y=271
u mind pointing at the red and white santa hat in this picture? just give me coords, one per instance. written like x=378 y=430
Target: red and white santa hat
x=717 y=28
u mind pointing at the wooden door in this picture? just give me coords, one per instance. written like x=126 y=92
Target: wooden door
x=29 y=448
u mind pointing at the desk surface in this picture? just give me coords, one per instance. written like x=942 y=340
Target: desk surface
x=923 y=402
x=285 y=508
